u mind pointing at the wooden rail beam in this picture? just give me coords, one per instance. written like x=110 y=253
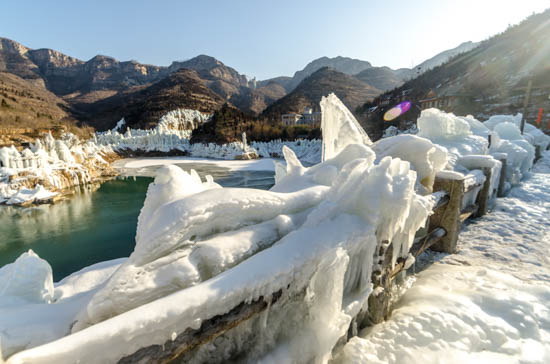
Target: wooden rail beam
x=210 y=329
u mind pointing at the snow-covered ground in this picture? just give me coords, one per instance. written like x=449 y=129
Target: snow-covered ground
x=489 y=303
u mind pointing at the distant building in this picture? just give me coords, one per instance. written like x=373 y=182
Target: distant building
x=449 y=100
x=384 y=100
x=290 y=119
x=308 y=117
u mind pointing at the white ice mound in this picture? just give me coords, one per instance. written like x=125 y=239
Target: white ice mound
x=294 y=176
x=519 y=149
x=451 y=132
x=530 y=132
x=171 y=183
x=425 y=157
x=29 y=279
x=434 y=123
x=339 y=126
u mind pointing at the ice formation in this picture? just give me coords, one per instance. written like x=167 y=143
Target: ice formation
x=28 y=279
x=467 y=137
x=486 y=304
x=202 y=249
x=451 y=132
x=425 y=157
x=49 y=164
x=173 y=133
x=339 y=127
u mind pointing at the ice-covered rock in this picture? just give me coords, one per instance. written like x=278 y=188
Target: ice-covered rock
x=182 y=119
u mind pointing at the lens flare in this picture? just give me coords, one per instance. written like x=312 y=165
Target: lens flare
x=397 y=110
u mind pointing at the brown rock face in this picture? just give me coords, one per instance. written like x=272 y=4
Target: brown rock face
x=103 y=84
x=143 y=106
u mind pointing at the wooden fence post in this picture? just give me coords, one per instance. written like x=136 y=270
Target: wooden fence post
x=484 y=194
x=502 y=180
x=379 y=299
x=538 y=152
x=449 y=217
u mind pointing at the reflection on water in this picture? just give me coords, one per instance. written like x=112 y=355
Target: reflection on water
x=97 y=223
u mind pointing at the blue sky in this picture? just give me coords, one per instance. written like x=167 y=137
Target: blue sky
x=260 y=38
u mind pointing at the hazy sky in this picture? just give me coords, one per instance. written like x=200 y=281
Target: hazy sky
x=259 y=37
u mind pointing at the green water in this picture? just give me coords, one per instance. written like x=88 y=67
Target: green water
x=94 y=225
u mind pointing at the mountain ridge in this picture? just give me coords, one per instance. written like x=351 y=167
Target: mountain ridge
x=83 y=85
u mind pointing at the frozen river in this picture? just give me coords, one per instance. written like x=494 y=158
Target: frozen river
x=97 y=223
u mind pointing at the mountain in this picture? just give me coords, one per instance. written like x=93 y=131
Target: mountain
x=91 y=88
x=224 y=80
x=63 y=75
x=287 y=83
x=443 y=57
x=143 y=106
x=490 y=78
x=26 y=105
x=84 y=83
x=382 y=78
x=348 y=66
x=308 y=93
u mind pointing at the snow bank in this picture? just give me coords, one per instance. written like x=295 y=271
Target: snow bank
x=41 y=311
x=264 y=164
x=456 y=314
x=26 y=194
x=519 y=148
x=308 y=151
x=534 y=134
